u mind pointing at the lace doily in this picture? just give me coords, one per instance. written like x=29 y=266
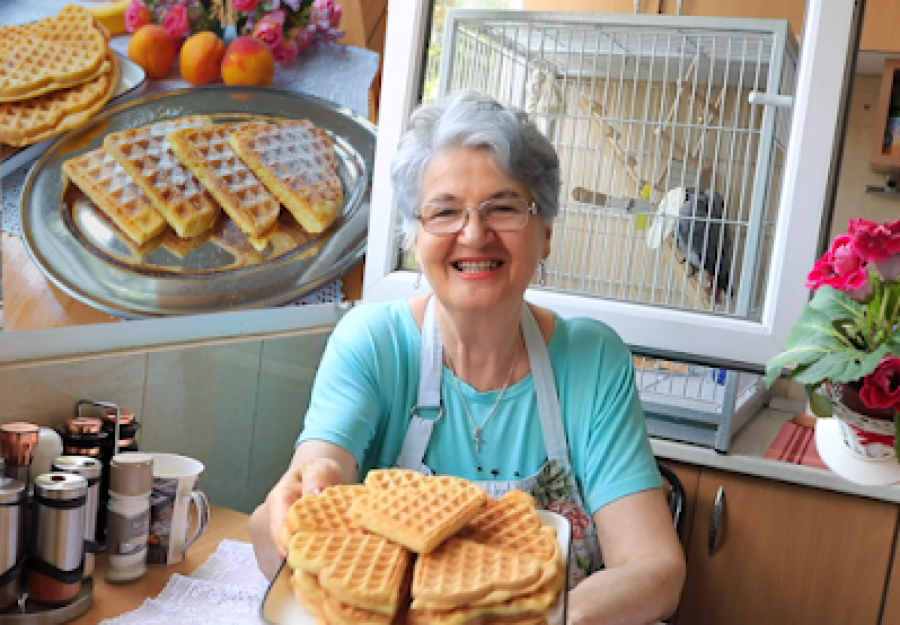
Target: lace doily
x=228 y=588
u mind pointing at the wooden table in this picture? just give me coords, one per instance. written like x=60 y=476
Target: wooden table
x=115 y=599
x=31 y=302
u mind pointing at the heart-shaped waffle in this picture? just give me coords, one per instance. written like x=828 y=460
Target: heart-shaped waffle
x=461 y=571
x=386 y=479
x=420 y=518
x=361 y=570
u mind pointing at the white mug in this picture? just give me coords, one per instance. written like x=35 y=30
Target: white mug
x=174 y=481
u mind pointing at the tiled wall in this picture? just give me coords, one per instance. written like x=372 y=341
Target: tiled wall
x=236 y=407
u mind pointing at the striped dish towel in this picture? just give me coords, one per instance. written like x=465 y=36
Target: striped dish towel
x=796 y=444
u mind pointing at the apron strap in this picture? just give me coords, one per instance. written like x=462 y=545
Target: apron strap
x=545 y=389
x=431 y=368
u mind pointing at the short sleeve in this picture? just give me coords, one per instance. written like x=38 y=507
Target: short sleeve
x=345 y=404
x=612 y=450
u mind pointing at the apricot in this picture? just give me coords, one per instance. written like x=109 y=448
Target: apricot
x=201 y=58
x=152 y=48
x=248 y=61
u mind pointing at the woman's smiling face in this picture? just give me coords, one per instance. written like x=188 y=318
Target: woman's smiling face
x=477 y=268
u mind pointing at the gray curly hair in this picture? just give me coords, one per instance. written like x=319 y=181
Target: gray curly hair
x=471 y=120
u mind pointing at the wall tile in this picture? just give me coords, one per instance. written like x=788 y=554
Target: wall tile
x=48 y=394
x=200 y=402
x=286 y=375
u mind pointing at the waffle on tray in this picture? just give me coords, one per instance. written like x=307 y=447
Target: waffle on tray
x=297 y=163
x=501 y=566
x=207 y=153
x=175 y=192
x=111 y=188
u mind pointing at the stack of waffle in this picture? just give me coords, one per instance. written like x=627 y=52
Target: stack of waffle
x=410 y=549
x=184 y=173
x=54 y=75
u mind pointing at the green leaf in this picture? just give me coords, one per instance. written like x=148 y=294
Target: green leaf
x=842 y=364
x=812 y=337
x=835 y=304
x=893 y=346
x=820 y=405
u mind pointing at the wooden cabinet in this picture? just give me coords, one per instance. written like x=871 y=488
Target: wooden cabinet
x=880 y=32
x=892 y=598
x=786 y=554
x=364 y=23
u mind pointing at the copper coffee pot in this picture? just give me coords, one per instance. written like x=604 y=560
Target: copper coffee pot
x=18 y=441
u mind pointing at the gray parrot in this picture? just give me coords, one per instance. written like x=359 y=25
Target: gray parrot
x=705 y=241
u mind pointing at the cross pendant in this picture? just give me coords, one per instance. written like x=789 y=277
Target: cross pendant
x=476 y=433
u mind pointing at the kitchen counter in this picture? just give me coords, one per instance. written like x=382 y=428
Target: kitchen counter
x=747 y=456
x=112 y=600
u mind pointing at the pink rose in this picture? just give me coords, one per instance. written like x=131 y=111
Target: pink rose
x=269 y=30
x=285 y=52
x=136 y=15
x=843 y=268
x=881 y=388
x=242 y=6
x=176 y=21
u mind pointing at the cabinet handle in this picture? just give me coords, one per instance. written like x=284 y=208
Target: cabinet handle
x=718 y=518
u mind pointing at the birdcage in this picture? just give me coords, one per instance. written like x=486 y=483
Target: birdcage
x=672 y=134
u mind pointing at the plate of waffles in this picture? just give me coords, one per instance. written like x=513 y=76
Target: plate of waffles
x=55 y=74
x=408 y=549
x=202 y=200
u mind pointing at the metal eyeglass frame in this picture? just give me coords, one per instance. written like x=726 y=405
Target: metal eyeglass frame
x=531 y=209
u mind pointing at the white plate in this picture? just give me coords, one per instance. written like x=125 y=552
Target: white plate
x=132 y=81
x=844 y=462
x=280 y=608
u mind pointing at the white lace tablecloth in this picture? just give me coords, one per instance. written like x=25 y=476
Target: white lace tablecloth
x=227 y=589
x=342 y=74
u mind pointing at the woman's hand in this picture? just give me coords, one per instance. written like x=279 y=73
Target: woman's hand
x=309 y=478
x=316 y=465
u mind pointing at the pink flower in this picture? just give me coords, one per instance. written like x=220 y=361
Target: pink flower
x=842 y=267
x=136 y=15
x=870 y=240
x=242 y=6
x=881 y=388
x=269 y=30
x=176 y=21
x=304 y=38
x=326 y=12
x=285 y=52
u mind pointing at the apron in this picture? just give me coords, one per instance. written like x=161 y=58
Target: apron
x=553 y=486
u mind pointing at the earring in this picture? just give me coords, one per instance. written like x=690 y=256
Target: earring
x=418 y=281
x=542 y=273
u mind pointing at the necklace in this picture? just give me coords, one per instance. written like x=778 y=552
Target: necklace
x=478 y=429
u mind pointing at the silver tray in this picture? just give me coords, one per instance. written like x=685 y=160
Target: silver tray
x=83 y=256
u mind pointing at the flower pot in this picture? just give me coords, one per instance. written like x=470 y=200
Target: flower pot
x=867 y=433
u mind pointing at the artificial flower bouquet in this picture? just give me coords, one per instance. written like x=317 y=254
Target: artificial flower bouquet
x=287 y=27
x=845 y=346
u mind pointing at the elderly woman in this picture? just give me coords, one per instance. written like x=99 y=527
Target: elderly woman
x=473 y=381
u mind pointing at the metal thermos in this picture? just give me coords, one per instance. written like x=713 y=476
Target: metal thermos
x=90 y=469
x=56 y=568
x=12 y=540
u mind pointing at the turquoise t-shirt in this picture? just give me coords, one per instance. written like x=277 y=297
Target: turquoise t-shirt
x=368 y=379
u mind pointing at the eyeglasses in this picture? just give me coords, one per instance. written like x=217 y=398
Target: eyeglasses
x=443 y=218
